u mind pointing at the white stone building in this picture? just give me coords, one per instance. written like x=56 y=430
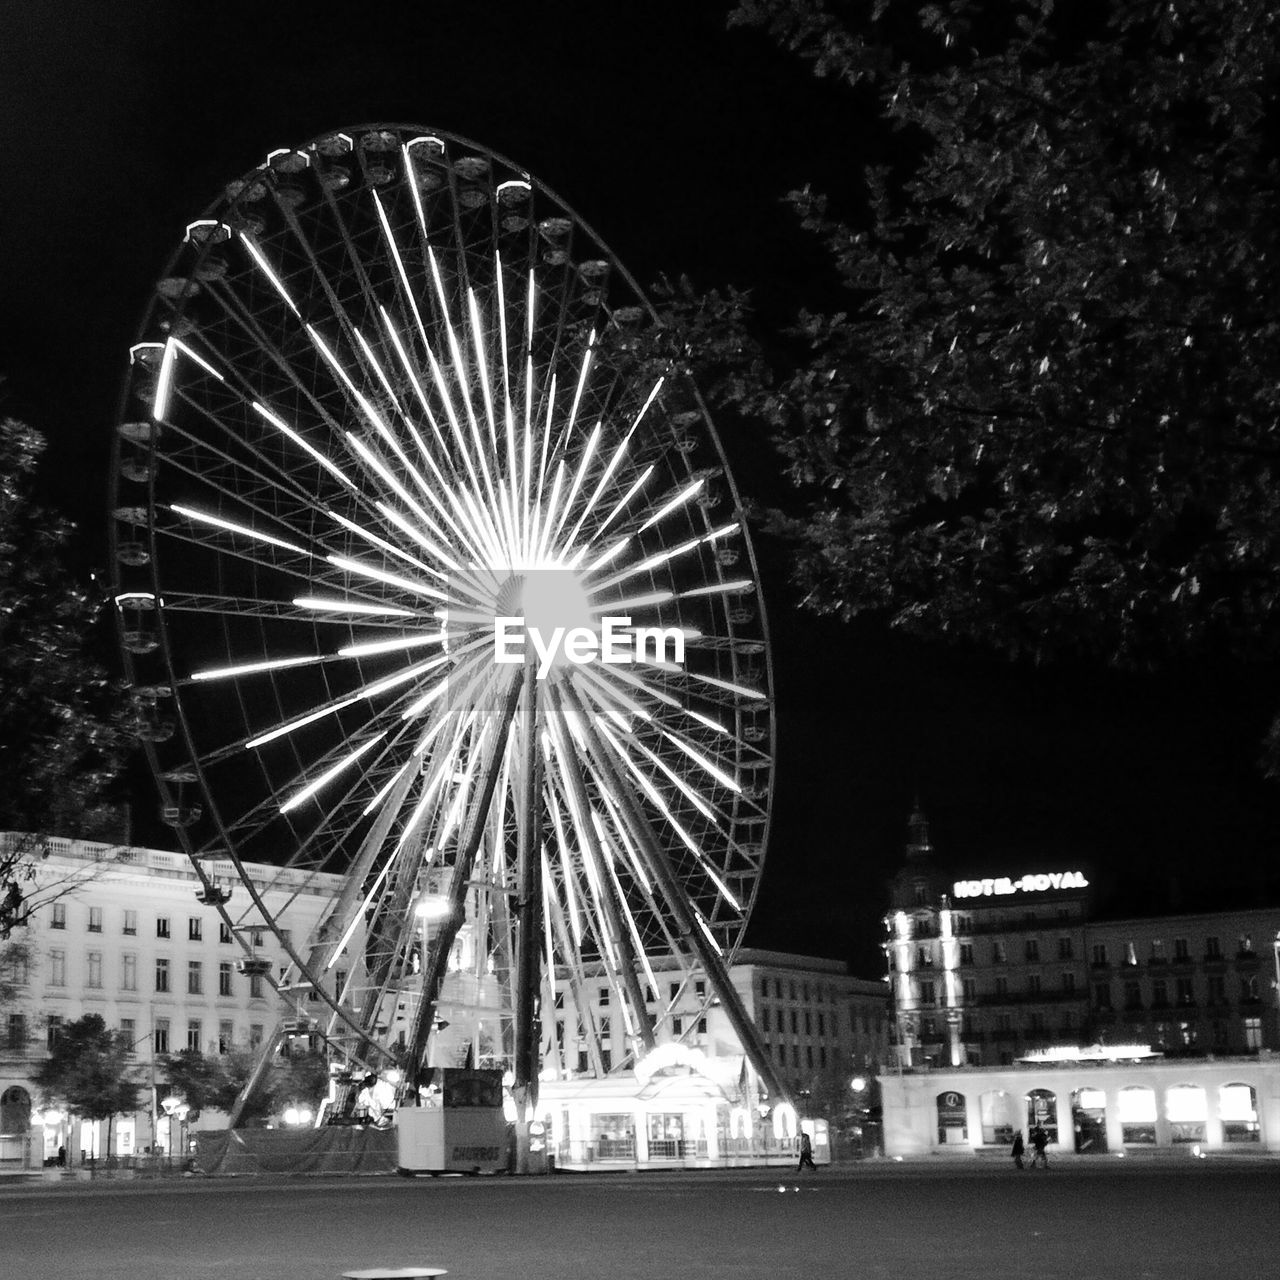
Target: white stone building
x=128 y=939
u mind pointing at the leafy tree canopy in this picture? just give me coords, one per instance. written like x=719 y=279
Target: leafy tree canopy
x=1045 y=416
x=297 y=1079
x=62 y=740
x=88 y=1070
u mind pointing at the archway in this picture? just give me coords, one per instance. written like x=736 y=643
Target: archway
x=1089 y=1119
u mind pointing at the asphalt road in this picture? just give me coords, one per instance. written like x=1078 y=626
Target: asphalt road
x=1095 y=1222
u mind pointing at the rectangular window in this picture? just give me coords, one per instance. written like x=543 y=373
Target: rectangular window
x=129 y=1030
x=131 y=923
x=162 y=926
x=340 y=984
x=1036 y=1022
x=95 y=919
x=195 y=929
x=224 y=931
x=1031 y=949
x=701 y=1028
x=808 y=1023
x=764 y=1018
x=808 y=1055
x=998 y=955
x=53 y=1031
x=924 y=958
x=16 y=1039
x=1102 y=995
x=1133 y=995
x=93 y=979
x=1217 y=989
x=286 y=937
x=1033 y=984
x=162 y=974
x=57 y=968
x=1253 y=1033
x=1068 y=982
x=225 y=1034
x=128 y=972
x=822 y=1024
x=160 y=1036
x=255 y=1035
x=195 y=979
x=17 y=968
x=822 y=1056
x=926 y=993
x=969 y=988
x=59 y=920
x=604 y=997
x=1159 y=994
x=1249 y=987
x=1002 y=986
x=1183 y=992
x=677 y=1026
x=604 y=1029
x=258 y=939
x=700 y=988
x=1180 y=951
x=255 y=986
x=193 y=1035
x=1157 y=949
x=1064 y=949
x=224 y=978
x=966 y=953
x=795 y=1023
x=1099 y=953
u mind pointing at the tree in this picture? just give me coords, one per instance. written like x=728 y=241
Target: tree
x=292 y=1079
x=88 y=1072
x=1045 y=416
x=62 y=718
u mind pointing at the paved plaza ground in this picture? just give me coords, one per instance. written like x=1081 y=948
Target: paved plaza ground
x=1097 y=1221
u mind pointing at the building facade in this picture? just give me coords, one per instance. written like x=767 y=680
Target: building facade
x=128 y=938
x=1099 y=1103
x=693 y=1100
x=984 y=970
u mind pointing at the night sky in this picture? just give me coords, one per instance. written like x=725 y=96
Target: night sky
x=674 y=139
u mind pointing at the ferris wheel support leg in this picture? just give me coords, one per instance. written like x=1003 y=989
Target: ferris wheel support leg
x=613 y=914
x=424 y=1017
x=270 y=1047
x=529 y=879
x=659 y=868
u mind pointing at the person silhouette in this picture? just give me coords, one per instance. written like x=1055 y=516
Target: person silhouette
x=806 y=1153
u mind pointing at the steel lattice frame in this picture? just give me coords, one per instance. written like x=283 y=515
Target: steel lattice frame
x=387 y=381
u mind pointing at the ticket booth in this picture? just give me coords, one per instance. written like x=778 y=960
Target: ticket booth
x=458 y=1128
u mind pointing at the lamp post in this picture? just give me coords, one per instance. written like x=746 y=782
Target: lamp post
x=175 y=1107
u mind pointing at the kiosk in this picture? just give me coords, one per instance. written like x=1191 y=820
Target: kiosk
x=459 y=1126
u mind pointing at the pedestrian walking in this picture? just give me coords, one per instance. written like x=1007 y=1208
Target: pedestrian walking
x=1018 y=1149
x=806 y=1153
x=1039 y=1144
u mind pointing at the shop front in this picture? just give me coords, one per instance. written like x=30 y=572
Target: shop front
x=677 y=1109
x=1088 y=1108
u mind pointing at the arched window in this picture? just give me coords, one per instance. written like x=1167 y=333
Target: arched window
x=1089 y=1118
x=1186 y=1110
x=15 y=1110
x=953 y=1118
x=1137 y=1107
x=998 y=1115
x=1238 y=1107
x=1042 y=1110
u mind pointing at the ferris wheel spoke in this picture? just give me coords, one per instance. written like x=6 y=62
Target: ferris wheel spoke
x=392 y=398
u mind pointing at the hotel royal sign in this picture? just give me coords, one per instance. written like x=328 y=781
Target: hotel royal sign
x=1003 y=885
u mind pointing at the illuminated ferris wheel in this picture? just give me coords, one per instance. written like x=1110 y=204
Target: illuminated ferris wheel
x=429 y=577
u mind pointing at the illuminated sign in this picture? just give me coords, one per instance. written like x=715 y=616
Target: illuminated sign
x=1002 y=885
x=1092 y=1053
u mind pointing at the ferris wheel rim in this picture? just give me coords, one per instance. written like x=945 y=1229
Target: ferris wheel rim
x=708 y=432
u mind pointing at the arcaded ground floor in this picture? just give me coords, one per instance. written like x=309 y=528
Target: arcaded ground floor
x=1100 y=1219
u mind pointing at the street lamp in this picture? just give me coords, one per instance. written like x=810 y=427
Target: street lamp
x=175 y=1107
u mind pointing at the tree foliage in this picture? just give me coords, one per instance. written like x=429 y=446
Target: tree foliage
x=1045 y=416
x=89 y=1069
x=62 y=740
x=216 y=1083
